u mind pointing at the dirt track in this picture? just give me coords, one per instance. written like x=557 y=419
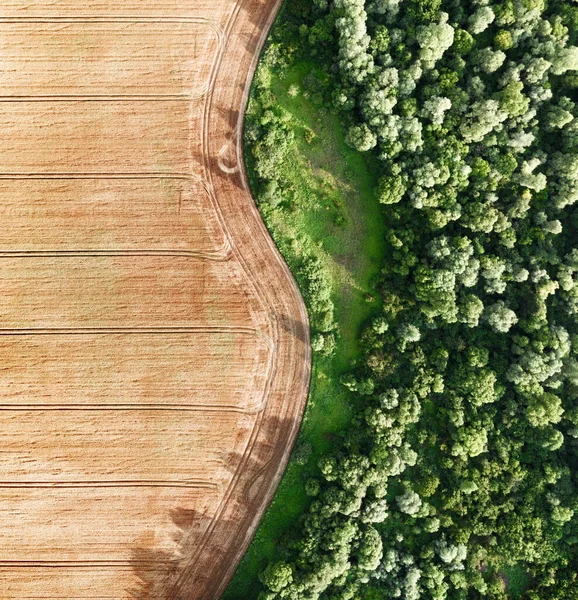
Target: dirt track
x=154 y=348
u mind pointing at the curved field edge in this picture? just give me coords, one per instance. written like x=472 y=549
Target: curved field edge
x=206 y=574
x=329 y=213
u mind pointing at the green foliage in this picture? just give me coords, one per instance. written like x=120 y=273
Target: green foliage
x=391 y=189
x=503 y=40
x=456 y=475
x=424 y=10
x=277 y=576
x=512 y=99
x=361 y=138
x=463 y=41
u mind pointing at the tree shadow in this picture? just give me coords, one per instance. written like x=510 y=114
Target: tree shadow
x=208 y=550
x=258 y=18
x=296 y=328
x=225 y=162
x=230 y=116
x=155 y=569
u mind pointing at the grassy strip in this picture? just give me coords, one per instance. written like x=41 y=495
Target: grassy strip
x=516 y=580
x=334 y=215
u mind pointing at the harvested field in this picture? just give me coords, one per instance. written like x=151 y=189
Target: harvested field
x=154 y=349
x=97 y=214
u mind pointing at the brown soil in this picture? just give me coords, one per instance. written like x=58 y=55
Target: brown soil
x=154 y=348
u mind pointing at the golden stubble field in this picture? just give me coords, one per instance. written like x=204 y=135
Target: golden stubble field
x=154 y=350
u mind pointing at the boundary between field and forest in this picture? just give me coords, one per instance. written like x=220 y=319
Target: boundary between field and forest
x=328 y=226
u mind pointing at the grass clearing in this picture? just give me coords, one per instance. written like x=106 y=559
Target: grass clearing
x=333 y=212
x=516 y=579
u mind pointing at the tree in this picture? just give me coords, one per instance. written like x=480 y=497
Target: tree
x=480 y=217
x=470 y=442
x=481 y=119
x=424 y=10
x=529 y=179
x=489 y=60
x=503 y=40
x=558 y=117
x=566 y=59
x=544 y=409
x=549 y=438
x=380 y=325
x=470 y=310
x=361 y=138
x=409 y=333
x=434 y=39
x=452 y=555
x=391 y=189
x=375 y=511
x=369 y=549
x=355 y=61
x=277 y=576
x=481 y=20
x=500 y=317
x=435 y=108
x=463 y=42
x=411 y=584
x=409 y=502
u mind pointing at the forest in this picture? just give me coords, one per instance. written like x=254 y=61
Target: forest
x=456 y=476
